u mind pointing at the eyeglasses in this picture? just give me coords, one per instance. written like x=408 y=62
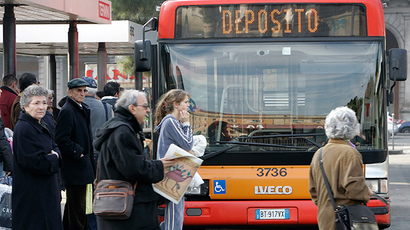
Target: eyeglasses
x=80 y=90
x=144 y=105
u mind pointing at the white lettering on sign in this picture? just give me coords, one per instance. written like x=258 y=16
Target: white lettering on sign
x=104 y=10
x=272 y=190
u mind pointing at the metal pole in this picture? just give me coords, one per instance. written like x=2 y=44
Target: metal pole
x=101 y=65
x=53 y=77
x=9 y=41
x=73 y=54
x=392 y=135
x=138 y=81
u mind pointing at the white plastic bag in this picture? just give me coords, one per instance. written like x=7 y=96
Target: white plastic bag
x=199 y=150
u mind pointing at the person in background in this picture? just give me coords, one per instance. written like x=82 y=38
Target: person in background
x=172 y=124
x=50 y=118
x=50 y=99
x=35 y=191
x=74 y=138
x=214 y=129
x=99 y=114
x=120 y=143
x=99 y=94
x=6 y=154
x=121 y=91
x=111 y=93
x=10 y=92
x=25 y=81
x=343 y=167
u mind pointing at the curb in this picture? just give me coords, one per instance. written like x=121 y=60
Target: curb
x=393 y=152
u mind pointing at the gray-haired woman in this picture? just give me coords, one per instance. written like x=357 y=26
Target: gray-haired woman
x=343 y=166
x=120 y=142
x=36 y=194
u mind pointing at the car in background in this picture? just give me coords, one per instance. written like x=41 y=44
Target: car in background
x=404 y=127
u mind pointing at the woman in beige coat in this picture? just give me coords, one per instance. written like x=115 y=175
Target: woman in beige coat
x=343 y=166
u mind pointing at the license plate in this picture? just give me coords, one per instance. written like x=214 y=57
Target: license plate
x=272 y=214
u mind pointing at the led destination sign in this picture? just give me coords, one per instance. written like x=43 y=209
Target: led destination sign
x=271 y=20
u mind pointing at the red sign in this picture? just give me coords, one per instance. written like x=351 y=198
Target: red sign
x=104 y=10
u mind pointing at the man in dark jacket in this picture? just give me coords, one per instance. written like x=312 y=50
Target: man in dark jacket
x=9 y=94
x=74 y=138
x=122 y=157
x=111 y=93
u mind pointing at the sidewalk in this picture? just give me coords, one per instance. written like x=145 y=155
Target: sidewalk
x=401 y=144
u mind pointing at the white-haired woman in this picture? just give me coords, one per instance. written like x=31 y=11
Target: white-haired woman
x=35 y=192
x=343 y=166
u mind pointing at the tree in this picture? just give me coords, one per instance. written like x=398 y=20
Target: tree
x=139 y=11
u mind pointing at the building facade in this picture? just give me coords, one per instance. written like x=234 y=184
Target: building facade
x=397 y=20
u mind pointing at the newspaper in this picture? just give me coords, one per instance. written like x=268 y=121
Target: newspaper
x=179 y=175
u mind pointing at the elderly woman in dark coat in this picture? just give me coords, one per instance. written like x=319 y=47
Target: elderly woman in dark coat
x=35 y=192
x=120 y=142
x=343 y=166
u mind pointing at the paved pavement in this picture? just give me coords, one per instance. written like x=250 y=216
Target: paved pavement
x=399 y=159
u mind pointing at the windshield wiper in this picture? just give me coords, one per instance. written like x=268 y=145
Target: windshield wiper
x=212 y=154
x=216 y=153
x=300 y=136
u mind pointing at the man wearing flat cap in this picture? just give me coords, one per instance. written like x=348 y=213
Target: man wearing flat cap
x=74 y=138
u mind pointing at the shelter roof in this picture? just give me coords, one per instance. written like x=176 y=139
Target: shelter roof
x=40 y=39
x=59 y=11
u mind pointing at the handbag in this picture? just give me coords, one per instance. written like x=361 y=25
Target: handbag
x=351 y=217
x=113 y=199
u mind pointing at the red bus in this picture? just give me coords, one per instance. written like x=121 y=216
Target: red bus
x=262 y=76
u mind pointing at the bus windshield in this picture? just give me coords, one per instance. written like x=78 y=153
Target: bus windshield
x=275 y=96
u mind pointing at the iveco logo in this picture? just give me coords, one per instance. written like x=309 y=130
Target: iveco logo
x=272 y=190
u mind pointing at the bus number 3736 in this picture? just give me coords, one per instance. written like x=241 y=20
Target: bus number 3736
x=274 y=172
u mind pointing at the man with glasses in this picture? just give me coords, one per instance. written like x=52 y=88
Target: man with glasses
x=74 y=138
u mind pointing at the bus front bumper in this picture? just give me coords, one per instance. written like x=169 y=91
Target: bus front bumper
x=300 y=212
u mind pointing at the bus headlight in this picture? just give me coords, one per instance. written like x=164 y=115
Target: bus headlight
x=378 y=185
x=201 y=190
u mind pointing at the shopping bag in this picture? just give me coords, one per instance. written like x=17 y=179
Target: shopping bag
x=89 y=199
x=5 y=202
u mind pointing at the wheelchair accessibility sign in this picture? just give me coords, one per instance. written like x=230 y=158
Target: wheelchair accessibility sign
x=219 y=187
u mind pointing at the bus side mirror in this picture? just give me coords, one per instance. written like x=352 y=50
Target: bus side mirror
x=142 y=55
x=398 y=64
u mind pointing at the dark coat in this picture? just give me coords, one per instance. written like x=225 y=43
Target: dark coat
x=50 y=123
x=6 y=155
x=73 y=137
x=120 y=142
x=35 y=191
x=6 y=102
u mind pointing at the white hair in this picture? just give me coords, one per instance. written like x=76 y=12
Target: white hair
x=129 y=97
x=30 y=92
x=91 y=91
x=341 y=123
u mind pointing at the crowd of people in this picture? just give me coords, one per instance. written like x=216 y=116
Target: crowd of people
x=52 y=150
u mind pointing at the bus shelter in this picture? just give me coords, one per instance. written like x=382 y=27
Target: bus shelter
x=101 y=40
x=71 y=12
